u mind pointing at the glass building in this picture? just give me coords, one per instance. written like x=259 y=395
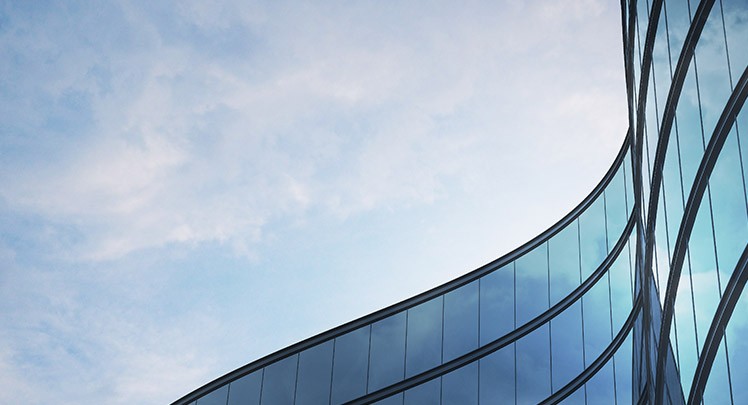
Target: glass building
x=635 y=296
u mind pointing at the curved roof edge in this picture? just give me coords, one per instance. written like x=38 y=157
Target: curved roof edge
x=422 y=297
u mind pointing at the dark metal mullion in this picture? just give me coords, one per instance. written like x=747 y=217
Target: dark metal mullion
x=581 y=304
x=550 y=329
x=717 y=328
x=722 y=129
x=514 y=344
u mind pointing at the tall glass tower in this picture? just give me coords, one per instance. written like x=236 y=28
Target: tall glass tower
x=635 y=296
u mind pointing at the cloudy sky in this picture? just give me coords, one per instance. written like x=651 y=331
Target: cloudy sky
x=186 y=186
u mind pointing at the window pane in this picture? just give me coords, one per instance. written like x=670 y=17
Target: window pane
x=460 y=387
x=532 y=284
x=497 y=304
x=533 y=367
x=350 y=364
x=461 y=321
x=246 y=390
x=217 y=397
x=566 y=330
x=592 y=237
x=600 y=386
x=428 y=393
x=424 y=336
x=387 y=363
x=497 y=379
x=563 y=250
x=315 y=372
x=280 y=381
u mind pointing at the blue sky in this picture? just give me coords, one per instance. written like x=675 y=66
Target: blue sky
x=189 y=186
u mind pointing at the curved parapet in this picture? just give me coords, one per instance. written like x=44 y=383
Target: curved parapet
x=560 y=307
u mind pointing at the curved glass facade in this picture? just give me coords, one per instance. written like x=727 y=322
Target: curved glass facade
x=634 y=297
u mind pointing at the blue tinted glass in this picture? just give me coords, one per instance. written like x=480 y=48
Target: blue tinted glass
x=600 y=388
x=593 y=241
x=497 y=304
x=497 y=377
x=217 y=397
x=533 y=367
x=350 y=364
x=706 y=279
x=620 y=274
x=460 y=387
x=711 y=61
x=315 y=373
x=427 y=393
x=563 y=250
x=387 y=362
x=566 y=331
x=461 y=321
x=616 y=211
x=246 y=390
x=736 y=332
x=424 y=336
x=729 y=206
x=736 y=27
x=279 y=382
x=597 y=325
x=623 y=371
x=532 y=284
x=396 y=399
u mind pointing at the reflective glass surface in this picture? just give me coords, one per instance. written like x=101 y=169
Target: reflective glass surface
x=246 y=390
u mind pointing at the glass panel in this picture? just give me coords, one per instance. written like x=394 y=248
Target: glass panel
x=427 y=393
x=615 y=206
x=315 y=374
x=689 y=130
x=729 y=207
x=533 y=367
x=620 y=281
x=566 y=331
x=563 y=249
x=688 y=345
x=532 y=284
x=736 y=27
x=497 y=377
x=736 y=332
x=279 y=382
x=387 y=362
x=497 y=304
x=596 y=318
x=246 y=390
x=396 y=399
x=718 y=388
x=592 y=236
x=623 y=369
x=600 y=388
x=460 y=387
x=349 y=365
x=217 y=397
x=678 y=22
x=461 y=321
x=711 y=61
x=424 y=347
x=704 y=271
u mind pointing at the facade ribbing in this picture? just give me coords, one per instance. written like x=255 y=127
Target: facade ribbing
x=635 y=296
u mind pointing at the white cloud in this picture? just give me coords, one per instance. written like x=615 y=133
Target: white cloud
x=150 y=130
